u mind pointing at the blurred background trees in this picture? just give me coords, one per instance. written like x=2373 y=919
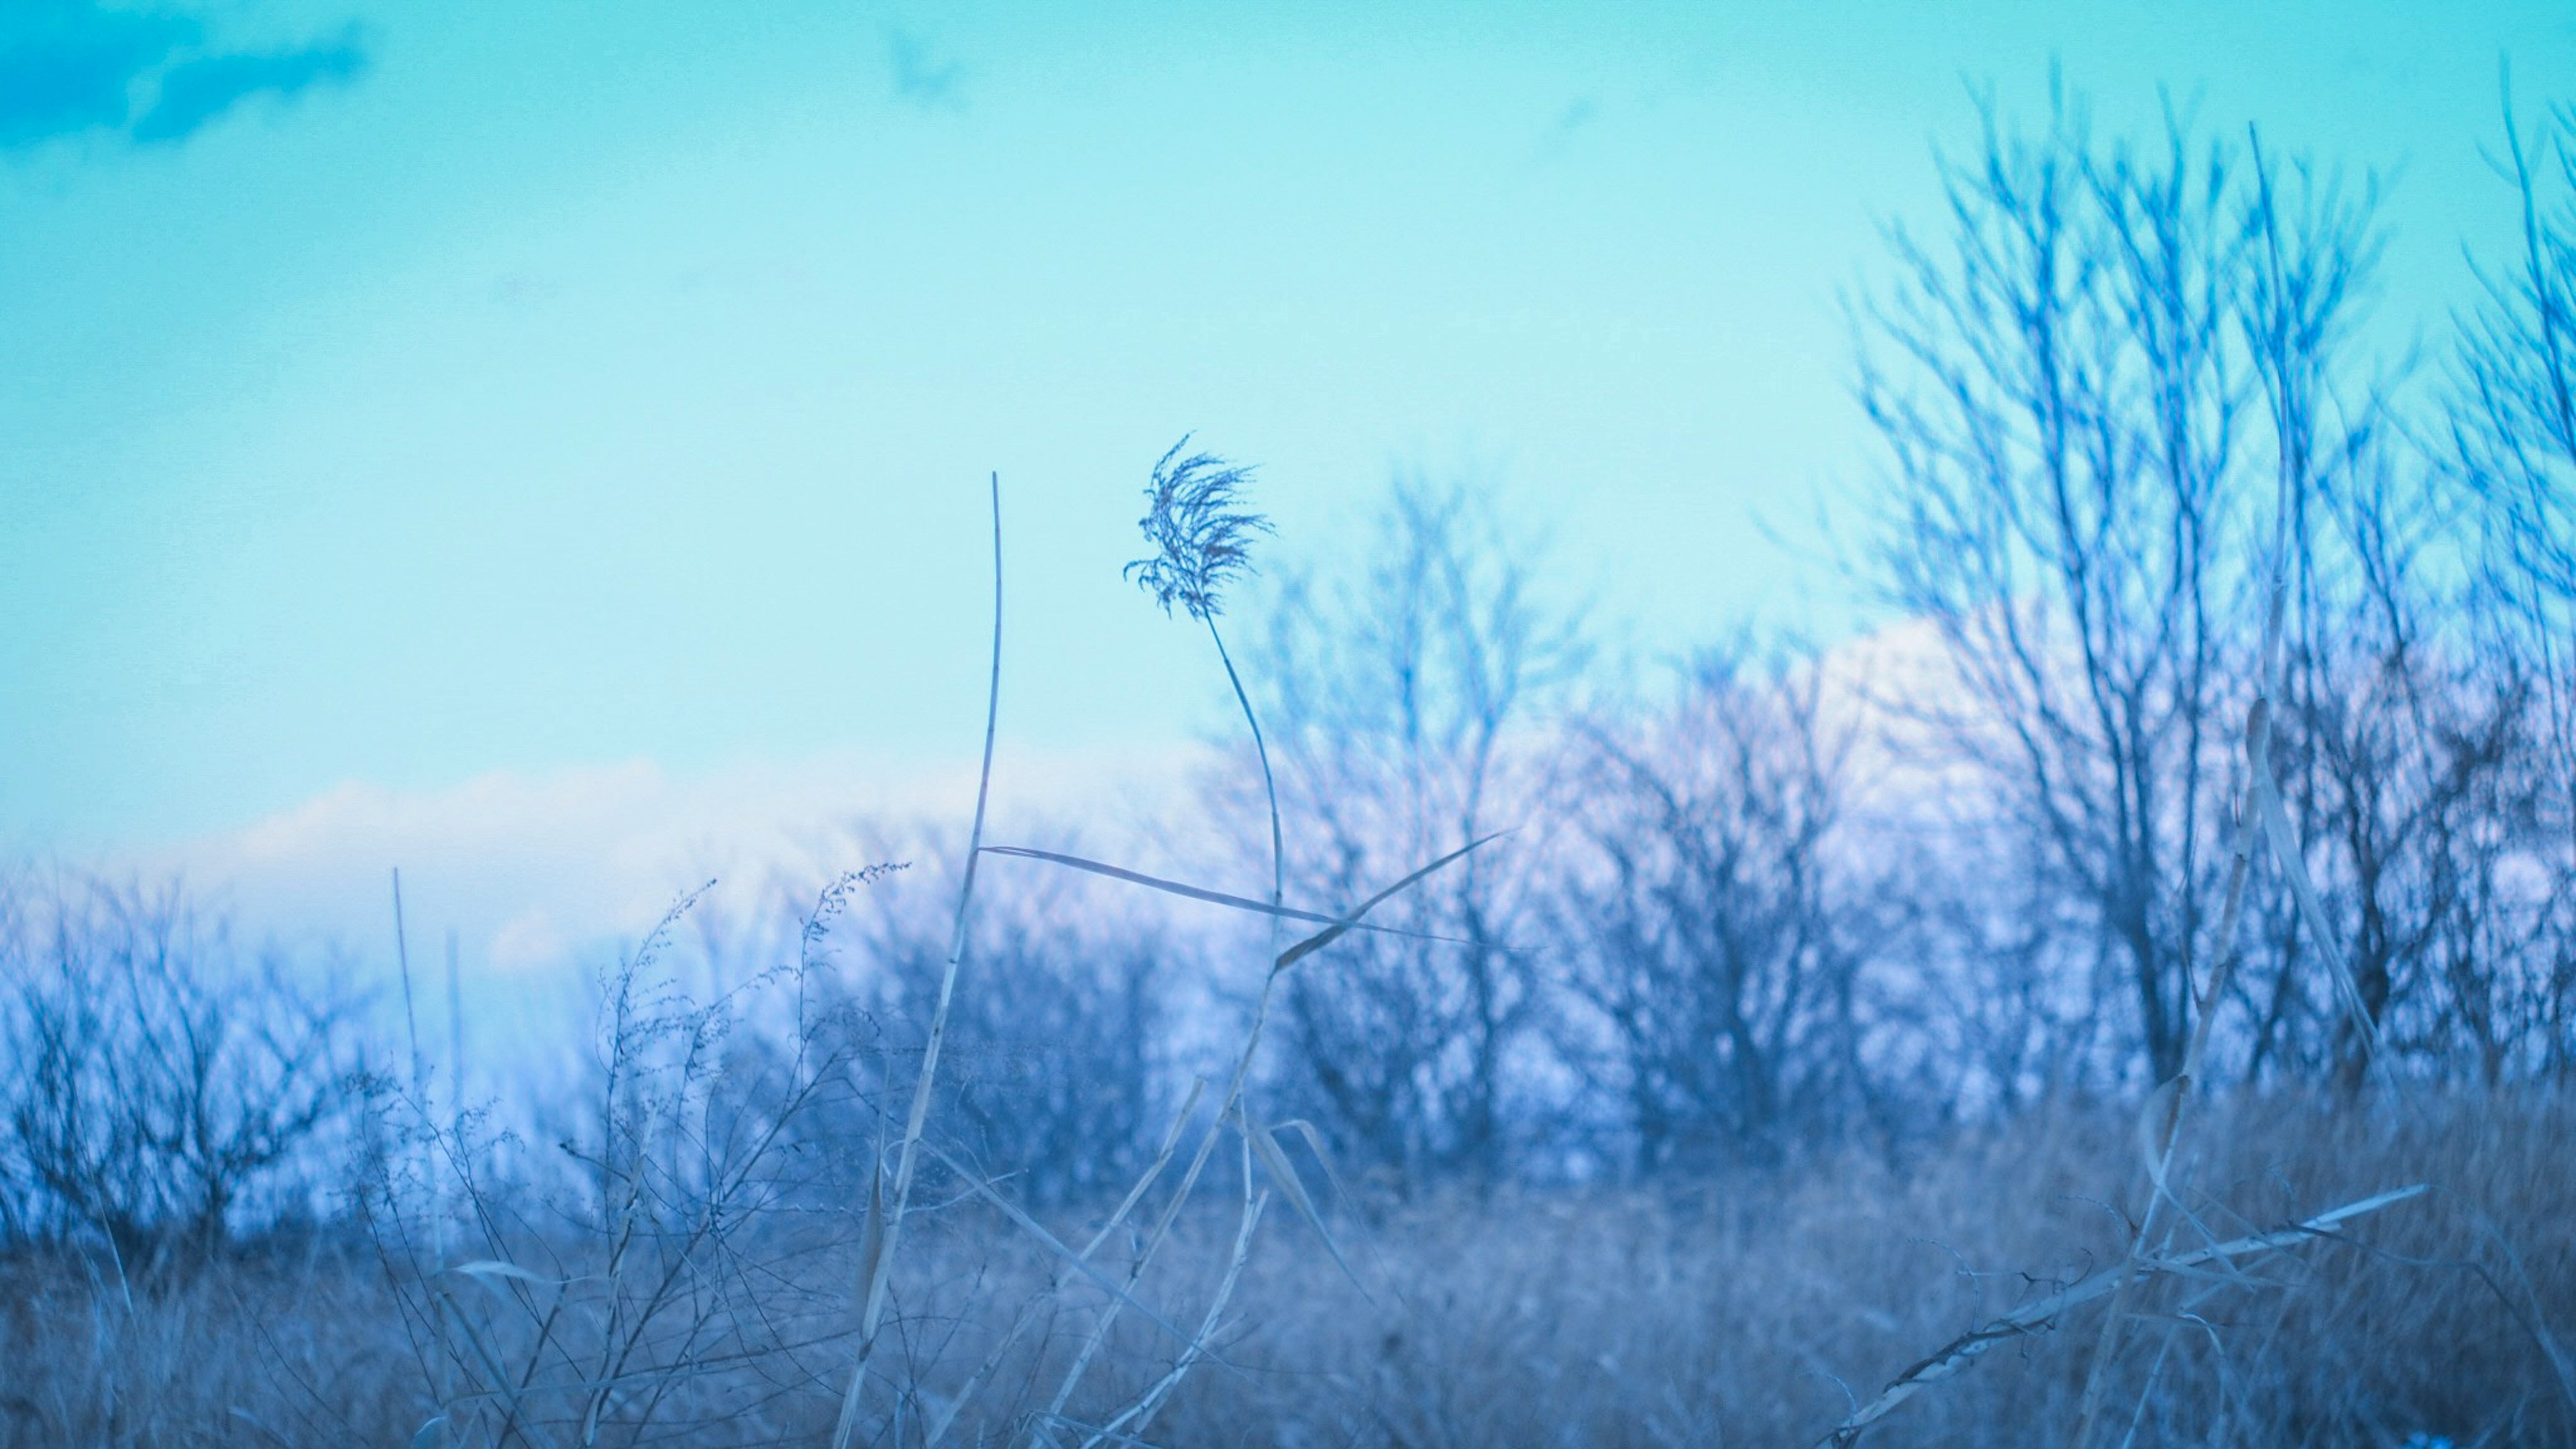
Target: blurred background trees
x=1749 y=901
x=164 y=1088
x=1411 y=694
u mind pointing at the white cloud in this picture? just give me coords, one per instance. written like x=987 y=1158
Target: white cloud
x=528 y=940
x=534 y=869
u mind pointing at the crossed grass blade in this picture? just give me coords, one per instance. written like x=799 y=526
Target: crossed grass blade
x=1260 y=1142
x=1081 y=1264
x=1351 y=922
x=1154 y=1241
x=1221 y=898
x=1323 y=1156
x=1141 y=1414
x=956 y=1405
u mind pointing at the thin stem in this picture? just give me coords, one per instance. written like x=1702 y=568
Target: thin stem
x=1269 y=785
x=908 y=1158
x=411 y=1022
x=2290 y=481
x=1229 y=1108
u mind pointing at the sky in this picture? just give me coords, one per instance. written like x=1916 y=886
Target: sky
x=545 y=447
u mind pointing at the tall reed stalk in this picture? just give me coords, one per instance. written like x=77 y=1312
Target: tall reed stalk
x=884 y=1234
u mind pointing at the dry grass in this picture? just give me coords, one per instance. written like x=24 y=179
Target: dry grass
x=1744 y=1311
x=1750 y=1309
x=278 y=1343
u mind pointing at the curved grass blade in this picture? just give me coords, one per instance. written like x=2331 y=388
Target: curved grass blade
x=1053 y=1244
x=483 y=1270
x=1276 y=1162
x=1142 y=1412
x=1201 y=893
x=2285 y=848
x=872 y=1308
x=948 y=1413
x=1344 y=926
x=1357 y=1222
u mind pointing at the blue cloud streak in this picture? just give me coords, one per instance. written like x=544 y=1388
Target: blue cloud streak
x=73 y=66
x=195 y=92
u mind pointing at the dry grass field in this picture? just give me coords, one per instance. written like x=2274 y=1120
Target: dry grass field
x=1746 y=1308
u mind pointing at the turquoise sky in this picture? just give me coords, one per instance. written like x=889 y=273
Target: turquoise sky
x=393 y=394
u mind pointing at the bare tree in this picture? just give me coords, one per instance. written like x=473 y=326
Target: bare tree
x=2512 y=436
x=1406 y=699
x=1712 y=933
x=160 y=1080
x=2068 y=394
x=2399 y=739
x=2513 y=423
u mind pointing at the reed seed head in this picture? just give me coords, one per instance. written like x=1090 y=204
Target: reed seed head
x=1200 y=529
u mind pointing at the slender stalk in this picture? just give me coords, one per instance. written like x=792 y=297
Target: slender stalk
x=1269 y=785
x=1229 y=1106
x=455 y=1039
x=907 y=1160
x=1020 y=1325
x=1140 y=1416
x=1232 y=1104
x=402 y=962
x=2253 y=805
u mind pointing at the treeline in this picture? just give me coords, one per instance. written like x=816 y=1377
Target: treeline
x=2181 y=582
x=2127 y=400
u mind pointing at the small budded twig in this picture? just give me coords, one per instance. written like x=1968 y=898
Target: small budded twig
x=2040 y=1315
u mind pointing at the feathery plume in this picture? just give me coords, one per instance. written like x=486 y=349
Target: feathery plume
x=1200 y=530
